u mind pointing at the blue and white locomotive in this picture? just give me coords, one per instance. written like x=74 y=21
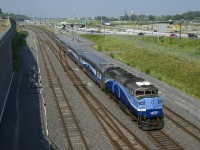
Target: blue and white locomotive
x=135 y=95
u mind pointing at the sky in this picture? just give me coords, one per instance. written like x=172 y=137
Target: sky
x=92 y=8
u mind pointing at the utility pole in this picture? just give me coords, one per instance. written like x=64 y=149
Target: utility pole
x=180 y=30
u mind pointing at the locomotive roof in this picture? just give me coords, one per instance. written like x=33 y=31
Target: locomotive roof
x=128 y=79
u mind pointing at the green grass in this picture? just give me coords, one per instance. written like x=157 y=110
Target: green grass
x=17 y=42
x=173 y=62
x=190 y=46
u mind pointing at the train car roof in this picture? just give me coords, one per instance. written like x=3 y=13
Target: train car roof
x=87 y=55
x=63 y=39
x=77 y=48
x=96 y=60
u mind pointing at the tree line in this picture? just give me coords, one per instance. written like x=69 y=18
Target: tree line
x=189 y=16
x=17 y=17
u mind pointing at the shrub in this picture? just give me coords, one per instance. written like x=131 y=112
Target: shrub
x=112 y=55
x=17 y=42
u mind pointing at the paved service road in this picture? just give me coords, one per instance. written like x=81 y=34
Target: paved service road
x=20 y=128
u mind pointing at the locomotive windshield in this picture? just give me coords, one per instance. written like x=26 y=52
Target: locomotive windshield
x=145 y=92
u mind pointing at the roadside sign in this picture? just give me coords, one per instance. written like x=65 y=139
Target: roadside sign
x=162 y=28
x=82 y=21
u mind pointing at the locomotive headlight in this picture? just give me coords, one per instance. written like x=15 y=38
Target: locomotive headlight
x=141 y=103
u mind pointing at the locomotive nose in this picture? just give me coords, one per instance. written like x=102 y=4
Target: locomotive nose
x=153 y=102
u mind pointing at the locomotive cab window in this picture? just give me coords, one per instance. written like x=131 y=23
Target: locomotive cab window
x=155 y=91
x=139 y=93
x=147 y=92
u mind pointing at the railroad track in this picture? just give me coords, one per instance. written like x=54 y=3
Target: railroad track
x=119 y=136
x=72 y=132
x=182 y=123
x=162 y=141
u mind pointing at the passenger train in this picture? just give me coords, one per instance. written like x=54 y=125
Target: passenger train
x=136 y=96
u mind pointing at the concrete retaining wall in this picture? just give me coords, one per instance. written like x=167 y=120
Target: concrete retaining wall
x=6 y=66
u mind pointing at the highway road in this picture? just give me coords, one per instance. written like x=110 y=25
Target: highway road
x=126 y=32
x=21 y=128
